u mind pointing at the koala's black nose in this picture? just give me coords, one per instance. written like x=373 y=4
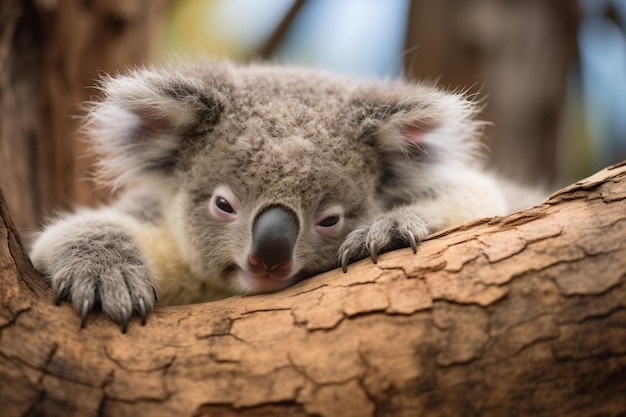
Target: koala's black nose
x=274 y=236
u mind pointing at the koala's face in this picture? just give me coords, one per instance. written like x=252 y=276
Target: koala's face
x=271 y=167
x=269 y=202
x=262 y=230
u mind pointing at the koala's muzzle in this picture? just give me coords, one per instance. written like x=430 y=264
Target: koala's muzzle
x=274 y=236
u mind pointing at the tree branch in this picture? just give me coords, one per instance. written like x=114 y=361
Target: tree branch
x=266 y=50
x=517 y=315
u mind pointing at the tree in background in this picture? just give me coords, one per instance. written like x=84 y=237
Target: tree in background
x=50 y=54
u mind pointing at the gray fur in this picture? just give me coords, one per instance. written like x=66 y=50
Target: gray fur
x=100 y=266
x=365 y=167
x=142 y=203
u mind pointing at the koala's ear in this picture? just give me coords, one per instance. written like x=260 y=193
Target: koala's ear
x=145 y=119
x=421 y=123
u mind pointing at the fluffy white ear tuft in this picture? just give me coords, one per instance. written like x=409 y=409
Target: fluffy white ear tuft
x=423 y=123
x=144 y=118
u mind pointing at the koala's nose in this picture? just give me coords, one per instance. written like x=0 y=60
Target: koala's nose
x=274 y=236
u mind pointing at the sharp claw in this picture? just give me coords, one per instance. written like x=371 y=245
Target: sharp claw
x=413 y=242
x=373 y=252
x=124 y=322
x=344 y=262
x=97 y=303
x=60 y=295
x=142 y=312
x=155 y=295
x=83 y=314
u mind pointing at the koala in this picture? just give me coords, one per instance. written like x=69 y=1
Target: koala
x=248 y=179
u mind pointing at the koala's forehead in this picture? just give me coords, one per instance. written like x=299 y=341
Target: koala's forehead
x=292 y=133
x=286 y=167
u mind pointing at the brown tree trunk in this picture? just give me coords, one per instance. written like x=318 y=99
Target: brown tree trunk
x=50 y=53
x=522 y=315
x=517 y=54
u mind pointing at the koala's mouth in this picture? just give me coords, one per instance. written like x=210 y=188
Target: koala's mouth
x=259 y=283
x=255 y=283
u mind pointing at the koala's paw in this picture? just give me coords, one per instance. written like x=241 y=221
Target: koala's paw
x=388 y=231
x=101 y=269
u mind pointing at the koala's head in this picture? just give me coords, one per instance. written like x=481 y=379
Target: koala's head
x=271 y=167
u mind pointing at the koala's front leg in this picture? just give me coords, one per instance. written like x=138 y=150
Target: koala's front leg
x=93 y=262
x=401 y=227
x=470 y=196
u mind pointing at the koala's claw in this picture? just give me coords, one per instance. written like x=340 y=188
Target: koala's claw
x=373 y=252
x=83 y=313
x=389 y=231
x=413 y=242
x=124 y=321
x=344 y=261
x=61 y=293
x=117 y=300
x=142 y=311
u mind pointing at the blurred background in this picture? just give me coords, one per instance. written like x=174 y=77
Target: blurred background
x=552 y=74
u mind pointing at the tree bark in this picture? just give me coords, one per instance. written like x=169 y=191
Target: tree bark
x=517 y=54
x=50 y=53
x=521 y=315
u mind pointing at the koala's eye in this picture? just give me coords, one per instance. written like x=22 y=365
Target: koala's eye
x=222 y=204
x=329 y=221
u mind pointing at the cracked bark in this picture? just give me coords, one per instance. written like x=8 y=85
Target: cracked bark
x=517 y=315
